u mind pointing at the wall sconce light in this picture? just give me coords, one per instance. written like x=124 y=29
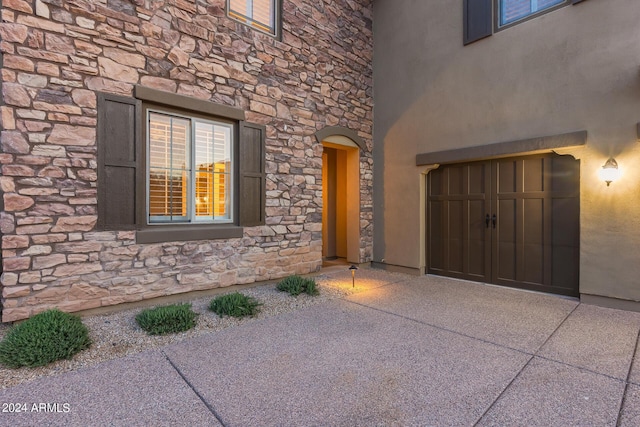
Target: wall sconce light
x=353 y=269
x=610 y=171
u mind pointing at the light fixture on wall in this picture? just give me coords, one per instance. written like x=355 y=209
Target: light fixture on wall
x=610 y=171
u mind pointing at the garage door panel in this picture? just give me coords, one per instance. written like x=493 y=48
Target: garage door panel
x=476 y=178
x=565 y=175
x=455 y=262
x=504 y=252
x=478 y=261
x=456 y=181
x=533 y=264
x=436 y=234
x=477 y=235
x=535 y=241
x=477 y=213
x=533 y=174
x=436 y=260
x=564 y=267
x=506 y=176
x=505 y=266
x=533 y=221
x=456 y=225
x=456 y=231
x=565 y=227
x=436 y=182
x=506 y=220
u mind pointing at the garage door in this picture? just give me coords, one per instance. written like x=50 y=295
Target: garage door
x=512 y=222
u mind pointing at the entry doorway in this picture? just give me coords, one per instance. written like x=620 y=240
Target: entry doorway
x=512 y=222
x=341 y=201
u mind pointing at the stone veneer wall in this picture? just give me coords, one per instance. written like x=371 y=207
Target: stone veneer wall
x=57 y=54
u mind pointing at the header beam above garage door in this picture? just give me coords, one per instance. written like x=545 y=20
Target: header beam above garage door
x=503 y=149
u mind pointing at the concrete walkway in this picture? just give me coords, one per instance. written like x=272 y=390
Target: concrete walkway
x=405 y=351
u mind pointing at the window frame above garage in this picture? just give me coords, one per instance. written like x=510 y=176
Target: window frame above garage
x=500 y=4
x=480 y=18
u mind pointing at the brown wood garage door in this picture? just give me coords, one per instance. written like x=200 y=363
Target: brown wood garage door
x=512 y=222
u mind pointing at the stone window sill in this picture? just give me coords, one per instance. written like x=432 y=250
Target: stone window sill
x=173 y=233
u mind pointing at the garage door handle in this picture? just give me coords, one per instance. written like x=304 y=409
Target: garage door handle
x=486 y=220
x=493 y=220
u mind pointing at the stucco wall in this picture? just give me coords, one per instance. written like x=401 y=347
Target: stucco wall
x=576 y=68
x=58 y=54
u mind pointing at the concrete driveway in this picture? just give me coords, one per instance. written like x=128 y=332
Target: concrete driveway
x=405 y=351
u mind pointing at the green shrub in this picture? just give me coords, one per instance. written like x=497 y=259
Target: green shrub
x=235 y=304
x=168 y=319
x=44 y=338
x=296 y=285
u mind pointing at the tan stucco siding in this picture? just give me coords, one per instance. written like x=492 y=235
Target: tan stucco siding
x=576 y=68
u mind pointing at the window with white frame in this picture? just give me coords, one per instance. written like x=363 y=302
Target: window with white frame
x=510 y=11
x=259 y=14
x=190 y=169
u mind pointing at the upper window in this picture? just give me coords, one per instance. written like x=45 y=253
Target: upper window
x=510 y=11
x=482 y=17
x=190 y=169
x=259 y=14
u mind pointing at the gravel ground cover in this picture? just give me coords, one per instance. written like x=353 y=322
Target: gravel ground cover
x=117 y=334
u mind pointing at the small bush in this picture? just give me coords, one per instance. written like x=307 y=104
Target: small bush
x=44 y=338
x=296 y=285
x=167 y=320
x=235 y=304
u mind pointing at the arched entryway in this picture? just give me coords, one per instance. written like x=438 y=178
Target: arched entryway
x=340 y=194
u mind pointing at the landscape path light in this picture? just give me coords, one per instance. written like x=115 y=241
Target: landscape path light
x=353 y=269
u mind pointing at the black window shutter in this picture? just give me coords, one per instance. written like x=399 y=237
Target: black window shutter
x=252 y=188
x=118 y=157
x=478 y=20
